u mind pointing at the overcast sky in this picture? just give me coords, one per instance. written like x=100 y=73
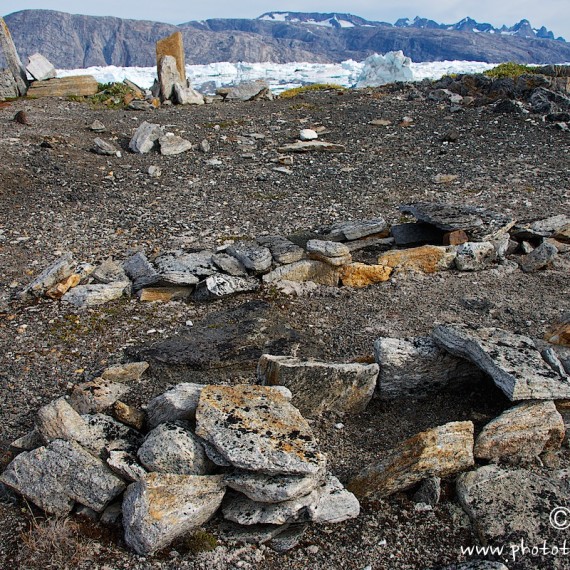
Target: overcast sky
x=554 y=14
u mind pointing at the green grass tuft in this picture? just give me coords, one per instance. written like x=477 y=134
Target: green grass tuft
x=510 y=69
x=290 y=93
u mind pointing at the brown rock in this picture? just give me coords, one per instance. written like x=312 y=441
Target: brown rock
x=129 y=372
x=22 y=118
x=75 y=85
x=172 y=45
x=360 y=275
x=559 y=334
x=425 y=259
x=440 y=451
x=562 y=234
x=456 y=237
x=305 y=270
x=521 y=433
x=96 y=396
x=128 y=415
x=59 y=290
x=165 y=294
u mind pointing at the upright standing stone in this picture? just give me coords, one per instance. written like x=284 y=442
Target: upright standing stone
x=169 y=77
x=12 y=58
x=173 y=46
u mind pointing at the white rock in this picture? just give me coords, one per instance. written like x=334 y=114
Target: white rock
x=308 y=135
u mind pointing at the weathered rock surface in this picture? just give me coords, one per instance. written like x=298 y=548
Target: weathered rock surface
x=40 y=68
x=56 y=476
x=165 y=294
x=96 y=396
x=182 y=268
x=311 y=146
x=178 y=403
x=58 y=420
x=559 y=334
x=348 y=231
x=219 y=285
x=282 y=250
x=253 y=256
x=229 y=264
x=257 y=429
x=513 y=361
x=319 y=387
x=140 y=271
x=109 y=271
x=480 y=224
x=305 y=270
x=417 y=366
x=475 y=256
x=171 y=145
x=98 y=294
x=187 y=96
x=105 y=148
x=169 y=76
x=331 y=252
x=173 y=448
x=429 y=491
x=128 y=415
x=547 y=227
x=160 y=507
x=145 y=137
x=107 y=434
x=125 y=465
x=539 y=258
x=440 y=451
x=334 y=503
x=424 y=259
x=129 y=372
x=359 y=275
x=246 y=91
x=59 y=270
x=74 y=86
x=521 y=433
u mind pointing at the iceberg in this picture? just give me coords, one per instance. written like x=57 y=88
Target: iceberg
x=383 y=69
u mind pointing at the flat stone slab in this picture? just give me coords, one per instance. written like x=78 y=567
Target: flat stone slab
x=183 y=268
x=160 y=507
x=171 y=145
x=283 y=250
x=424 y=259
x=312 y=146
x=513 y=361
x=318 y=386
x=305 y=270
x=359 y=275
x=480 y=224
x=62 y=473
x=257 y=429
x=348 y=231
x=96 y=396
x=440 y=451
x=255 y=257
x=74 y=86
x=60 y=269
x=84 y=296
x=219 y=285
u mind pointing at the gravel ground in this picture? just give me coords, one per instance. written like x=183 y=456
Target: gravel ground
x=56 y=196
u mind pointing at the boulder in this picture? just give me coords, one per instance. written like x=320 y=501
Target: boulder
x=539 y=258
x=62 y=473
x=359 y=275
x=440 y=451
x=105 y=148
x=220 y=285
x=71 y=86
x=182 y=268
x=305 y=270
x=84 y=296
x=40 y=68
x=257 y=429
x=160 y=507
x=319 y=387
x=58 y=420
x=559 y=334
x=513 y=361
x=96 y=396
x=178 y=403
x=140 y=271
x=171 y=145
x=475 y=256
x=417 y=366
x=334 y=503
x=424 y=259
x=521 y=433
x=429 y=491
x=145 y=137
x=58 y=271
x=545 y=228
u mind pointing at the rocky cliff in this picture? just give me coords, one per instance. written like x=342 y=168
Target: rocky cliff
x=75 y=41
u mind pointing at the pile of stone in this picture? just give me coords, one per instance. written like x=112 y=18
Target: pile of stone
x=445 y=237
x=197 y=448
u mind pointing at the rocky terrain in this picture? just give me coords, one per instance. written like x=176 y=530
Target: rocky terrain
x=76 y=41
x=463 y=143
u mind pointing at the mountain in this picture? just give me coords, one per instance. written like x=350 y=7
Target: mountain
x=75 y=41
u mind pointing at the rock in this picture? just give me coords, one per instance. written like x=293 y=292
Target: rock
x=97 y=126
x=154 y=171
x=59 y=290
x=282 y=250
x=429 y=491
x=479 y=224
x=309 y=146
x=359 y=275
x=169 y=76
x=111 y=516
x=475 y=256
x=71 y=86
x=161 y=507
x=172 y=46
x=165 y=294
x=178 y=403
x=56 y=476
x=348 y=231
x=250 y=534
x=187 y=96
x=254 y=257
x=171 y=145
x=125 y=465
x=84 y=296
x=289 y=538
x=540 y=258
x=521 y=433
x=509 y=106
x=108 y=272
x=414 y=234
x=513 y=361
x=58 y=420
x=204 y=146
x=229 y=264
x=105 y=148
x=140 y=271
x=383 y=69
x=257 y=429
x=559 y=334
x=562 y=234
x=129 y=372
x=334 y=503
x=370 y=242
x=417 y=366
x=380 y=122
x=445 y=178
x=294 y=288
x=456 y=237
x=138 y=105
x=308 y=135
x=107 y=434
x=319 y=387
x=440 y=451
x=330 y=252
x=504 y=505
x=58 y=271
x=272 y=488
x=21 y=117
x=424 y=259
x=128 y=415
x=547 y=227
x=96 y=396
x=145 y=137
x=173 y=448
x=32 y=440
x=219 y=285
x=8 y=86
x=40 y=68
x=305 y=270
x=182 y=268
x=246 y=91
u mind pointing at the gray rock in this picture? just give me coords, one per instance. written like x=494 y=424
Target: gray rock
x=513 y=361
x=58 y=420
x=162 y=507
x=417 y=366
x=182 y=268
x=327 y=248
x=32 y=440
x=272 y=488
x=59 y=270
x=84 y=296
x=334 y=503
x=370 y=242
x=289 y=538
x=246 y=91
x=107 y=434
x=8 y=86
x=187 y=96
x=40 y=67
x=105 y=148
x=56 y=476
x=541 y=228
x=140 y=271
x=429 y=491
x=283 y=250
x=248 y=425
x=312 y=146
x=348 y=231
x=308 y=135
x=540 y=258
x=109 y=271
x=507 y=506
x=204 y=146
x=305 y=270
x=413 y=234
x=250 y=534
x=475 y=256
x=254 y=257
x=140 y=105
x=111 y=516
x=97 y=126
x=214 y=455
x=319 y=387
x=294 y=288
x=229 y=264
x=96 y=396
x=173 y=448
x=145 y=137
x=169 y=77
x=171 y=145
x=125 y=465
x=220 y=285
x=480 y=224
x=178 y=403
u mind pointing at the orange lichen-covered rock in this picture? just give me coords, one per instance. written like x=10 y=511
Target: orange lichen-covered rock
x=425 y=259
x=174 y=46
x=559 y=334
x=360 y=275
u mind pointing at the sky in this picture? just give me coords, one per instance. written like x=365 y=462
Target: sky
x=554 y=14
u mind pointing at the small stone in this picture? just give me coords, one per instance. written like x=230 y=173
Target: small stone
x=32 y=440
x=96 y=396
x=58 y=420
x=145 y=137
x=111 y=516
x=445 y=178
x=359 y=275
x=179 y=403
x=129 y=372
x=21 y=117
x=429 y=491
x=128 y=415
x=308 y=135
x=380 y=122
x=171 y=145
x=105 y=148
x=475 y=256
x=559 y=334
x=154 y=171
x=204 y=146
x=283 y=250
x=84 y=296
x=250 y=534
x=309 y=146
x=424 y=259
x=97 y=127
x=540 y=258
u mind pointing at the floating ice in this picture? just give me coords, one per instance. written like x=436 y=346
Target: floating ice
x=383 y=69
